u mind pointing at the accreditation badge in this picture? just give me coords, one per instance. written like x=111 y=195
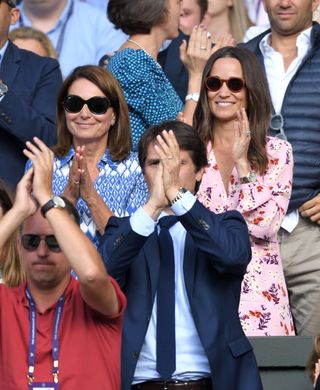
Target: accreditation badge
x=44 y=386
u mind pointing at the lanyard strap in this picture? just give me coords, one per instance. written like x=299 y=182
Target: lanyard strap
x=62 y=30
x=32 y=338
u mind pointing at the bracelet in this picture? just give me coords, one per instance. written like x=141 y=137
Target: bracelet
x=193 y=96
x=178 y=196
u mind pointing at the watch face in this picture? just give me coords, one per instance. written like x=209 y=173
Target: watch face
x=58 y=202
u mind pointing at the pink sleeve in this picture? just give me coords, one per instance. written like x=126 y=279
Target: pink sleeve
x=264 y=203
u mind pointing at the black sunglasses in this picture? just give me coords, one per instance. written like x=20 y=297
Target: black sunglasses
x=214 y=83
x=97 y=104
x=30 y=242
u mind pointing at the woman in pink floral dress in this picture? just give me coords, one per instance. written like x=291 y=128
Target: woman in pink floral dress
x=251 y=173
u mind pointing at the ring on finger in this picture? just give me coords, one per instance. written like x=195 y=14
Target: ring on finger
x=76 y=182
x=170 y=157
x=203 y=47
x=248 y=133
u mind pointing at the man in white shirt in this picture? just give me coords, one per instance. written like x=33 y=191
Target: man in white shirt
x=290 y=54
x=182 y=281
x=80 y=33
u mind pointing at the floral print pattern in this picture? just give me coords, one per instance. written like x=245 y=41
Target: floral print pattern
x=264 y=305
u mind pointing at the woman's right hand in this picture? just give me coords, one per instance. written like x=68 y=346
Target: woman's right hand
x=72 y=190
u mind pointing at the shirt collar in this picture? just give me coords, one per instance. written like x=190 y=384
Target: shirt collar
x=303 y=40
x=105 y=159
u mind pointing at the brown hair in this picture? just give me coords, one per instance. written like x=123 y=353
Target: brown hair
x=26 y=32
x=119 y=139
x=203 y=5
x=187 y=138
x=12 y=272
x=137 y=16
x=258 y=104
x=313 y=358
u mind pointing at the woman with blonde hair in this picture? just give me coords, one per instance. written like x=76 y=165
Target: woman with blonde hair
x=227 y=17
x=11 y=272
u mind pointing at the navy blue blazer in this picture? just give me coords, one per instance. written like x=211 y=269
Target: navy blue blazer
x=217 y=252
x=28 y=108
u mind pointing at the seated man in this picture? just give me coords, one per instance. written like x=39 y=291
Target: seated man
x=56 y=332
x=181 y=325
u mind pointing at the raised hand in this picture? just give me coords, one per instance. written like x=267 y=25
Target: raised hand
x=168 y=151
x=242 y=138
x=42 y=163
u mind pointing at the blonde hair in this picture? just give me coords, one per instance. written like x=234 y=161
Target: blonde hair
x=239 y=20
x=12 y=272
x=32 y=33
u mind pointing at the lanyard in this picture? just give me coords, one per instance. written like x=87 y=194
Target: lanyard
x=62 y=30
x=32 y=339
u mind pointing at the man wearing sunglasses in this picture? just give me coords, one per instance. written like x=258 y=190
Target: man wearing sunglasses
x=56 y=332
x=28 y=90
x=290 y=54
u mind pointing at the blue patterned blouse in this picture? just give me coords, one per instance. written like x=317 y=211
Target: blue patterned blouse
x=149 y=94
x=120 y=184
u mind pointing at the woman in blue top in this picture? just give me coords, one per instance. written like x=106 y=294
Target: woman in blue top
x=93 y=165
x=150 y=96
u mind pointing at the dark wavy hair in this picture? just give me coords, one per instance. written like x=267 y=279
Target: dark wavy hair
x=258 y=104
x=186 y=136
x=137 y=16
x=119 y=138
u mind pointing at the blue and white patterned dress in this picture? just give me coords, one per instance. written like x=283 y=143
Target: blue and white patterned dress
x=120 y=184
x=149 y=94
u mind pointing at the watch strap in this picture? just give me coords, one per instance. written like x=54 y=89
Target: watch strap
x=178 y=196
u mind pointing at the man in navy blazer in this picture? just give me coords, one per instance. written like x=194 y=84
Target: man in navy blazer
x=211 y=253
x=28 y=90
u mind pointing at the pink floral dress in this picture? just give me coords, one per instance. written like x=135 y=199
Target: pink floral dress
x=264 y=306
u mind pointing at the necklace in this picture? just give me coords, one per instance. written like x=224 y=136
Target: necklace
x=140 y=46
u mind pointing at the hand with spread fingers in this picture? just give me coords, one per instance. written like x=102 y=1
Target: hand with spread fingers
x=242 y=138
x=194 y=56
x=42 y=163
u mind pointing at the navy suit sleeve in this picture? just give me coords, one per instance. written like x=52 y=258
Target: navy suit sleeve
x=28 y=108
x=119 y=247
x=223 y=237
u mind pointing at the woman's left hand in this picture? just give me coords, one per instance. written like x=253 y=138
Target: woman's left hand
x=242 y=138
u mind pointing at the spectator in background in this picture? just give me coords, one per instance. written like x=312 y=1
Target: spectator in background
x=290 y=55
x=11 y=273
x=34 y=40
x=150 y=96
x=227 y=17
x=81 y=34
x=248 y=172
x=28 y=89
x=76 y=324
x=192 y=12
x=94 y=166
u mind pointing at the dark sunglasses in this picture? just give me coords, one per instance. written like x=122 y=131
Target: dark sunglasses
x=97 y=104
x=30 y=242
x=214 y=83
